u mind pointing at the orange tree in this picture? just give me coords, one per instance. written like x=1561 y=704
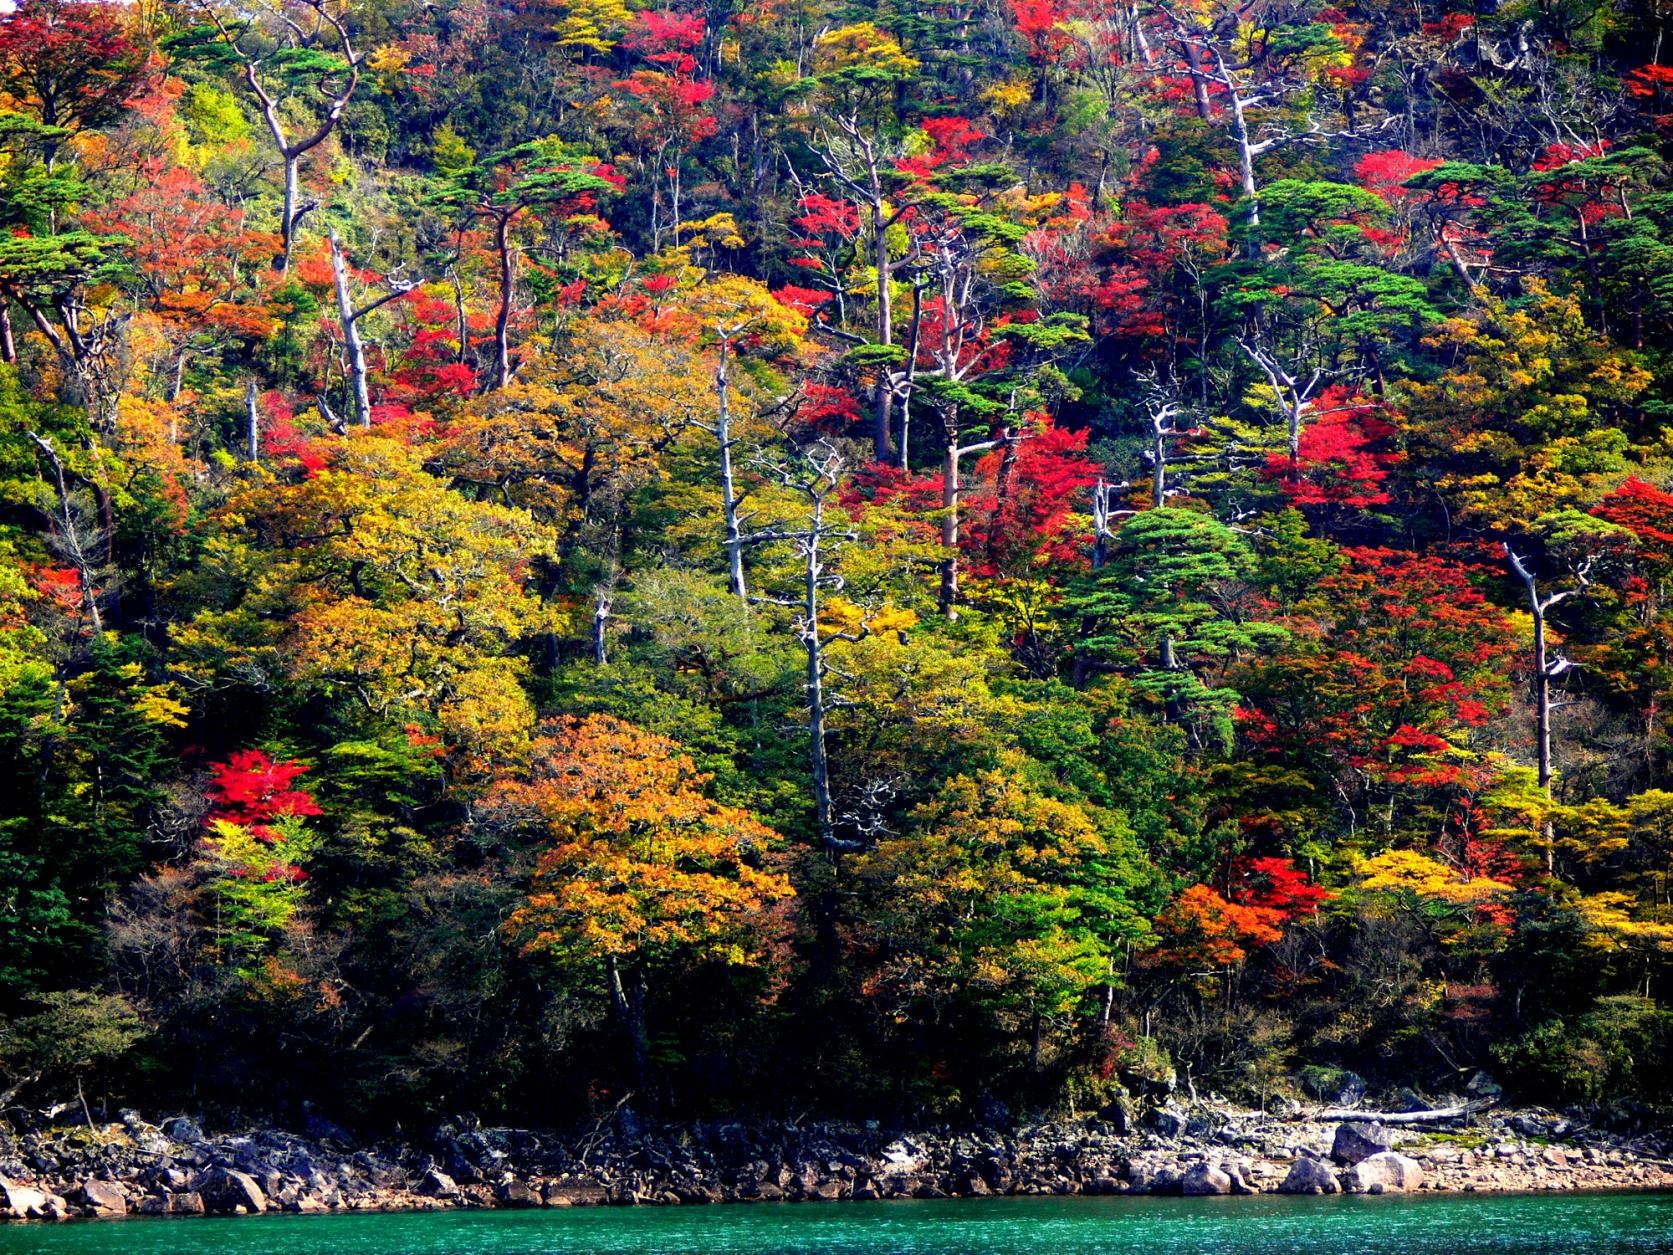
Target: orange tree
x=646 y=875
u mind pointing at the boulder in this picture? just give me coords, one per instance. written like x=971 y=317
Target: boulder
x=183 y=1129
x=20 y=1202
x=226 y=1190
x=55 y=1208
x=102 y=1198
x=1168 y=1122
x=1355 y=1141
x=1164 y=1180
x=1483 y=1088
x=1310 y=1176
x=437 y=1184
x=902 y=1156
x=188 y=1204
x=1118 y=1112
x=574 y=1194
x=515 y=1193
x=1239 y=1174
x=1205 y=1178
x=1336 y=1086
x=1387 y=1173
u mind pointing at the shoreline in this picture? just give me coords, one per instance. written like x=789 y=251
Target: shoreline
x=176 y=1169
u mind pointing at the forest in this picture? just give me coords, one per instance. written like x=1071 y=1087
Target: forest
x=928 y=559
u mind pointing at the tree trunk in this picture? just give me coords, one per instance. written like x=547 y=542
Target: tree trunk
x=1199 y=81
x=252 y=422
x=502 y=318
x=950 y=522
x=728 y=478
x=630 y=1008
x=903 y=447
x=601 y=622
x=882 y=419
x=293 y=194
x=818 y=762
x=354 y=350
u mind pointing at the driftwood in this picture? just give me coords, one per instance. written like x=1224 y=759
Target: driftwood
x=1434 y=1115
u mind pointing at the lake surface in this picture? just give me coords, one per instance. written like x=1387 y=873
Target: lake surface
x=1423 y=1225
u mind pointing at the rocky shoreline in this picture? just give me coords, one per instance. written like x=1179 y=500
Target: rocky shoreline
x=175 y=1168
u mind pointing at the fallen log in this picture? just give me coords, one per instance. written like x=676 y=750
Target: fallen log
x=1433 y=1115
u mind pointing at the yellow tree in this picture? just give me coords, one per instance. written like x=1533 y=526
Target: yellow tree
x=645 y=872
x=1617 y=925
x=726 y=312
x=376 y=581
x=1006 y=890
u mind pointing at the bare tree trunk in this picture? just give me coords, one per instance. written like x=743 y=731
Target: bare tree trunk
x=1545 y=670
x=1101 y=493
x=728 y=478
x=293 y=196
x=951 y=458
x=910 y=368
x=1199 y=80
x=601 y=623
x=882 y=420
x=502 y=318
x=70 y=531
x=818 y=761
x=950 y=522
x=354 y=350
x=252 y=422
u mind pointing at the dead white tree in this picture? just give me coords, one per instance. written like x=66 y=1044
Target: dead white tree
x=349 y=316
x=1293 y=387
x=1547 y=667
x=267 y=36
x=79 y=534
x=1207 y=47
x=814 y=477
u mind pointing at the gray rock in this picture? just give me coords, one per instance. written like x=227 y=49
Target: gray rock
x=515 y=1193
x=1356 y=1141
x=1119 y=1113
x=1164 y=1180
x=103 y=1198
x=1387 y=1173
x=1240 y=1178
x=1336 y=1086
x=1205 y=1178
x=437 y=1184
x=903 y=1156
x=227 y=1189
x=1310 y=1176
x=1168 y=1122
x=183 y=1129
x=1483 y=1086
x=574 y=1194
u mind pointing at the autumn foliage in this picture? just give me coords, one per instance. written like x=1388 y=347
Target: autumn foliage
x=888 y=561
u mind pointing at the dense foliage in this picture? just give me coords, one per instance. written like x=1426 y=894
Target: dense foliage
x=913 y=559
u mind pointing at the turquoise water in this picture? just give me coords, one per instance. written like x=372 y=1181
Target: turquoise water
x=1547 y=1224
